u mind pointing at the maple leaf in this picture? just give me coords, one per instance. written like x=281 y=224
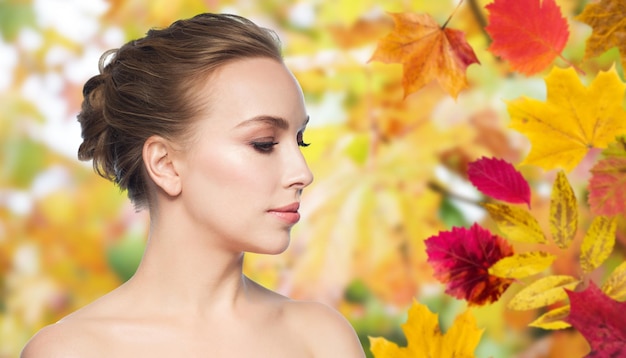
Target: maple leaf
x=461 y=258
x=572 y=120
x=606 y=194
x=529 y=34
x=499 y=180
x=426 y=51
x=425 y=339
x=606 y=18
x=600 y=320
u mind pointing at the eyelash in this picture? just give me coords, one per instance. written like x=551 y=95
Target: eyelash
x=263 y=147
x=300 y=141
x=267 y=147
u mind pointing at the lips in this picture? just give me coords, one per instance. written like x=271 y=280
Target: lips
x=288 y=213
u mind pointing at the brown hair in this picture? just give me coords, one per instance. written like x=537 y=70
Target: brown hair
x=147 y=89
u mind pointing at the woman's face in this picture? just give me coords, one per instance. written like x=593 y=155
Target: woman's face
x=243 y=174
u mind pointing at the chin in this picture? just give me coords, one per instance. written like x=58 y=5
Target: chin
x=278 y=246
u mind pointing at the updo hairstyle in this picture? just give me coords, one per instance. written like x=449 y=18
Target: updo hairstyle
x=149 y=87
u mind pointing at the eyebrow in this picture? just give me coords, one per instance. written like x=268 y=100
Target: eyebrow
x=277 y=122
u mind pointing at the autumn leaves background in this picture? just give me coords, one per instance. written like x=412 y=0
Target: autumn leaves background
x=478 y=266
x=468 y=176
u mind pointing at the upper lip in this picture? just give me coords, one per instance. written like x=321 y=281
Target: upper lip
x=293 y=207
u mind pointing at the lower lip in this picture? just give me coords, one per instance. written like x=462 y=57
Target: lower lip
x=290 y=217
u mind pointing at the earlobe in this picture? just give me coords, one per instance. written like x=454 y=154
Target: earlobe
x=160 y=166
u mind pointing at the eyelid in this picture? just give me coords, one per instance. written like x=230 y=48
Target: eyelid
x=263 y=145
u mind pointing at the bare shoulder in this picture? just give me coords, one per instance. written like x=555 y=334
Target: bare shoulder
x=76 y=335
x=56 y=340
x=328 y=333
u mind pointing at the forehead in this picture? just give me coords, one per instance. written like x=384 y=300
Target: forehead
x=250 y=88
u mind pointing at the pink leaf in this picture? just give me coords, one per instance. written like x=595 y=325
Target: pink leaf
x=499 y=180
x=606 y=186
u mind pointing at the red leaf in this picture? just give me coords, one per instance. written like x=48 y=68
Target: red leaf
x=499 y=179
x=600 y=319
x=461 y=259
x=529 y=34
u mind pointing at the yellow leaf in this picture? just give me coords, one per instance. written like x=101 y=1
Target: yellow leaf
x=382 y=348
x=522 y=265
x=462 y=338
x=563 y=212
x=615 y=284
x=545 y=291
x=552 y=319
x=598 y=242
x=572 y=120
x=516 y=223
x=426 y=340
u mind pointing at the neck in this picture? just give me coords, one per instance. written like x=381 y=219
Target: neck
x=182 y=270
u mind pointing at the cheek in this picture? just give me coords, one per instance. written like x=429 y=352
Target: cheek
x=228 y=171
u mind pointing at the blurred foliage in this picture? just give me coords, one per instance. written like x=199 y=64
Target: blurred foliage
x=389 y=172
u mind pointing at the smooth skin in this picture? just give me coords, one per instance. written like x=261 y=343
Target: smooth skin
x=217 y=196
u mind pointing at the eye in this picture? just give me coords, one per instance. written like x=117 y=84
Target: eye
x=263 y=146
x=301 y=141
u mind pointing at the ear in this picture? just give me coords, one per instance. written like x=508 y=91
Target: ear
x=158 y=160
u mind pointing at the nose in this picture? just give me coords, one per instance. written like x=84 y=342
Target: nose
x=297 y=172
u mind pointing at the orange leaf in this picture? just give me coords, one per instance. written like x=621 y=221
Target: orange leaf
x=606 y=18
x=426 y=51
x=529 y=34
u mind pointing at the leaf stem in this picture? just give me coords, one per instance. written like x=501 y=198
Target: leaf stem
x=450 y=17
x=570 y=63
x=479 y=17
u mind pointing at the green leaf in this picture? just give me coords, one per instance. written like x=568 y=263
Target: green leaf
x=21 y=159
x=15 y=15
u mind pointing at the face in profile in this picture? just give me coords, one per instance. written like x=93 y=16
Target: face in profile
x=243 y=172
